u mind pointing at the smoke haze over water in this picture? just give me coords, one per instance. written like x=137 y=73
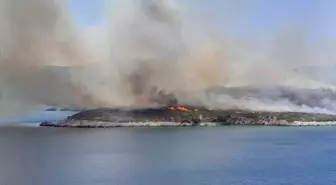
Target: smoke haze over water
x=149 y=51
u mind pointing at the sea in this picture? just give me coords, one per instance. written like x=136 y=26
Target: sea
x=229 y=155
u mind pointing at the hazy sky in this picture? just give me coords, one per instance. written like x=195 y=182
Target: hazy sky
x=316 y=17
x=86 y=12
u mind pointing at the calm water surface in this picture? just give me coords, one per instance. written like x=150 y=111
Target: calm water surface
x=168 y=156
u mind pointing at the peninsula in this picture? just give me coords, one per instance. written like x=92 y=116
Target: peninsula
x=176 y=116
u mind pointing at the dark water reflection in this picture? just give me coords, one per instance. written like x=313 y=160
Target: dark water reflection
x=127 y=156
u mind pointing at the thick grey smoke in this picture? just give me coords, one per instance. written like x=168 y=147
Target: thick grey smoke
x=33 y=35
x=149 y=53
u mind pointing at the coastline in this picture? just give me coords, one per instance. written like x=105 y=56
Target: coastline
x=94 y=124
x=159 y=125
x=167 y=117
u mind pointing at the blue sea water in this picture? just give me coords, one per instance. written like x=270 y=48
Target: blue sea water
x=234 y=155
x=35 y=117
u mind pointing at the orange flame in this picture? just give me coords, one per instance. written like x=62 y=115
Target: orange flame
x=171 y=108
x=180 y=108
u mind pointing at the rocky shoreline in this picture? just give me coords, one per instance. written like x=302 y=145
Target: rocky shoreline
x=183 y=116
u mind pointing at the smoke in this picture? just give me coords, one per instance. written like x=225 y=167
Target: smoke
x=148 y=53
x=33 y=35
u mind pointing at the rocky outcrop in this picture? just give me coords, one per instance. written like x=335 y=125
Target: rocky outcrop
x=65 y=109
x=185 y=117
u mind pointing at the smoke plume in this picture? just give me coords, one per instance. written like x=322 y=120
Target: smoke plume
x=150 y=53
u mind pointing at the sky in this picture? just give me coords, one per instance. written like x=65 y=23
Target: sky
x=86 y=12
x=316 y=17
x=252 y=61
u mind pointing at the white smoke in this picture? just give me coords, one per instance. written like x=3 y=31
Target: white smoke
x=143 y=51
